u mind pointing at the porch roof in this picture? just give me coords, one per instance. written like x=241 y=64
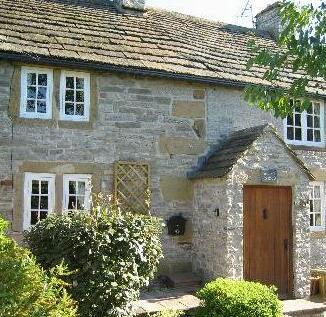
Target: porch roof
x=221 y=161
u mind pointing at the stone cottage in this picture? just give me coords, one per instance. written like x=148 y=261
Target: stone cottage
x=114 y=97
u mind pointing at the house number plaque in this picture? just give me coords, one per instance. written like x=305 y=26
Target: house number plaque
x=269 y=176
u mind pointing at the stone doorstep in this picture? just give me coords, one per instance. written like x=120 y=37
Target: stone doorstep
x=169 y=299
x=303 y=307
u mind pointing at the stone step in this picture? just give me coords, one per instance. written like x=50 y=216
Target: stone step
x=180 y=280
x=304 y=308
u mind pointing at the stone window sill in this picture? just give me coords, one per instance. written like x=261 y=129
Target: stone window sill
x=307 y=148
x=318 y=234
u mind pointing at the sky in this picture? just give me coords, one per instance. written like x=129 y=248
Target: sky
x=229 y=11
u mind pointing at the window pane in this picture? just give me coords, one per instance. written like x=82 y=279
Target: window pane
x=310 y=135
x=80 y=83
x=34 y=202
x=310 y=123
x=79 y=96
x=290 y=135
x=72 y=202
x=70 y=95
x=298 y=134
x=81 y=188
x=316 y=109
x=309 y=110
x=30 y=106
x=44 y=187
x=317 y=136
x=311 y=220
x=69 y=109
x=42 y=79
x=298 y=120
x=311 y=203
x=31 y=79
x=41 y=93
x=317 y=219
x=316 y=192
x=289 y=120
x=317 y=122
x=41 y=107
x=80 y=109
x=72 y=187
x=80 y=202
x=43 y=214
x=35 y=187
x=317 y=206
x=34 y=217
x=31 y=92
x=44 y=203
x=70 y=82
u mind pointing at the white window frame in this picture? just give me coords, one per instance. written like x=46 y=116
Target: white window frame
x=86 y=77
x=29 y=177
x=322 y=206
x=87 y=178
x=23 y=93
x=304 y=129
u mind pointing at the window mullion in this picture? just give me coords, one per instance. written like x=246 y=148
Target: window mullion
x=304 y=125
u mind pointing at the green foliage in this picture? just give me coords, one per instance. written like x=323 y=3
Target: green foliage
x=301 y=49
x=111 y=254
x=229 y=298
x=25 y=289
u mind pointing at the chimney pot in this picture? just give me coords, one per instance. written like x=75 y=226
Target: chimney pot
x=131 y=4
x=269 y=20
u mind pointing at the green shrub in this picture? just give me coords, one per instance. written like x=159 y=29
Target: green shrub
x=230 y=298
x=112 y=255
x=25 y=289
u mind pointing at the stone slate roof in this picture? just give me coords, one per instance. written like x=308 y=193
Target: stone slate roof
x=94 y=34
x=221 y=161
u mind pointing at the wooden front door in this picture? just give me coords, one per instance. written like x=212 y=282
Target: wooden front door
x=268 y=237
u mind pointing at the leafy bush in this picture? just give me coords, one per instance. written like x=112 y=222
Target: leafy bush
x=111 y=254
x=229 y=298
x=25 y=289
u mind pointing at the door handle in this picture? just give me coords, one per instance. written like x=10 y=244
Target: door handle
x=286 y=244
x=265 y=213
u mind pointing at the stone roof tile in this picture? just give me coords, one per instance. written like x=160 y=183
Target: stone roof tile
x=221 y=161
x=95 y=32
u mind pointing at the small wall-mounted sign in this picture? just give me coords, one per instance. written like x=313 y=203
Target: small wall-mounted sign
x=269 y=176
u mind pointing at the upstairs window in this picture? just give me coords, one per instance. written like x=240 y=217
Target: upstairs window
x=36 y=93
x=317 y=206
x=307 y=127
x=76 y=192
x=74 y=96
x=38 y=197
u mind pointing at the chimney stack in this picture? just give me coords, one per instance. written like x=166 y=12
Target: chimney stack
x=138 y=5
x=269 y=20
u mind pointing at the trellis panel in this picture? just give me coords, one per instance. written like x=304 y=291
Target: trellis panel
x=132 y=186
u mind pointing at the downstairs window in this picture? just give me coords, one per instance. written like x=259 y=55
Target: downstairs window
x=76 y=192
x=38 y=197
x=317 y=207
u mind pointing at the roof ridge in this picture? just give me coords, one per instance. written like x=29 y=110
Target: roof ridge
x=225 y=25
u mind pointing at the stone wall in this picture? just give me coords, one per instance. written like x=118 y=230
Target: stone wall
x=6 y=72
x=136 y=119
x=209 y=222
